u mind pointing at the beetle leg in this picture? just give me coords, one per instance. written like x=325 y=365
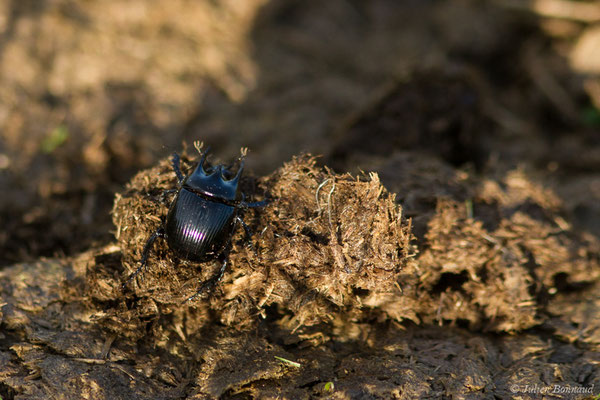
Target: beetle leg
x=254 y=204
x=248 y=234
x=175 y=162
x=210 y=283
x=160 y=232
x=244 y=204
x=163 y=196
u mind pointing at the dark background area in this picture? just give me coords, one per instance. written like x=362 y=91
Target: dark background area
x=93 y=92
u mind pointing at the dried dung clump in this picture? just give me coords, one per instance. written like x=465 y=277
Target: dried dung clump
x=492 y=251
x=338 y=243
x=498 y=269
x=326 y=245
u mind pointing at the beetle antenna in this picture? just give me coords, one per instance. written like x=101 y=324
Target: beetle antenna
x=198 y=145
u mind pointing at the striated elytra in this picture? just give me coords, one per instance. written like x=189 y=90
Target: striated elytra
x=203 y=217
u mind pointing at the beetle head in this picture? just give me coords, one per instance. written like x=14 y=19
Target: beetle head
x=215 y=181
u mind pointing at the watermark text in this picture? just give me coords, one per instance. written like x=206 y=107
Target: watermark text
x=551 y=389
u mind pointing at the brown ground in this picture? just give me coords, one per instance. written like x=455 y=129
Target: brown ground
x=445 y=242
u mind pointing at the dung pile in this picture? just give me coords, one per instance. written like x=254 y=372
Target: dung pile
x=326 y=246
x=334 y=248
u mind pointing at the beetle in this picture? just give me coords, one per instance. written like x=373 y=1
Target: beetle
x=203 y=217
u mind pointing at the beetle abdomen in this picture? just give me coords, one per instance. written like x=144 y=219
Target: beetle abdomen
x=198 y=229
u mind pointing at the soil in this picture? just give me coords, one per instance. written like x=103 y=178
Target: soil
x=432 y=171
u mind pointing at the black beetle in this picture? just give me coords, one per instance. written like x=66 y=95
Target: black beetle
x=203 y=217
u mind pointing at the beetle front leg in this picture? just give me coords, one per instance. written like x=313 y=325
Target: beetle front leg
x=165 y=194
x=245 y=204
x=249 y=243
x=160 y=232
x=210 y=283
x=254 y=204
x=175 y=161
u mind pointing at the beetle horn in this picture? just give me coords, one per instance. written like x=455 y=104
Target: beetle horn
x=201 y=164
x=236 y=178
x=219 y=171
